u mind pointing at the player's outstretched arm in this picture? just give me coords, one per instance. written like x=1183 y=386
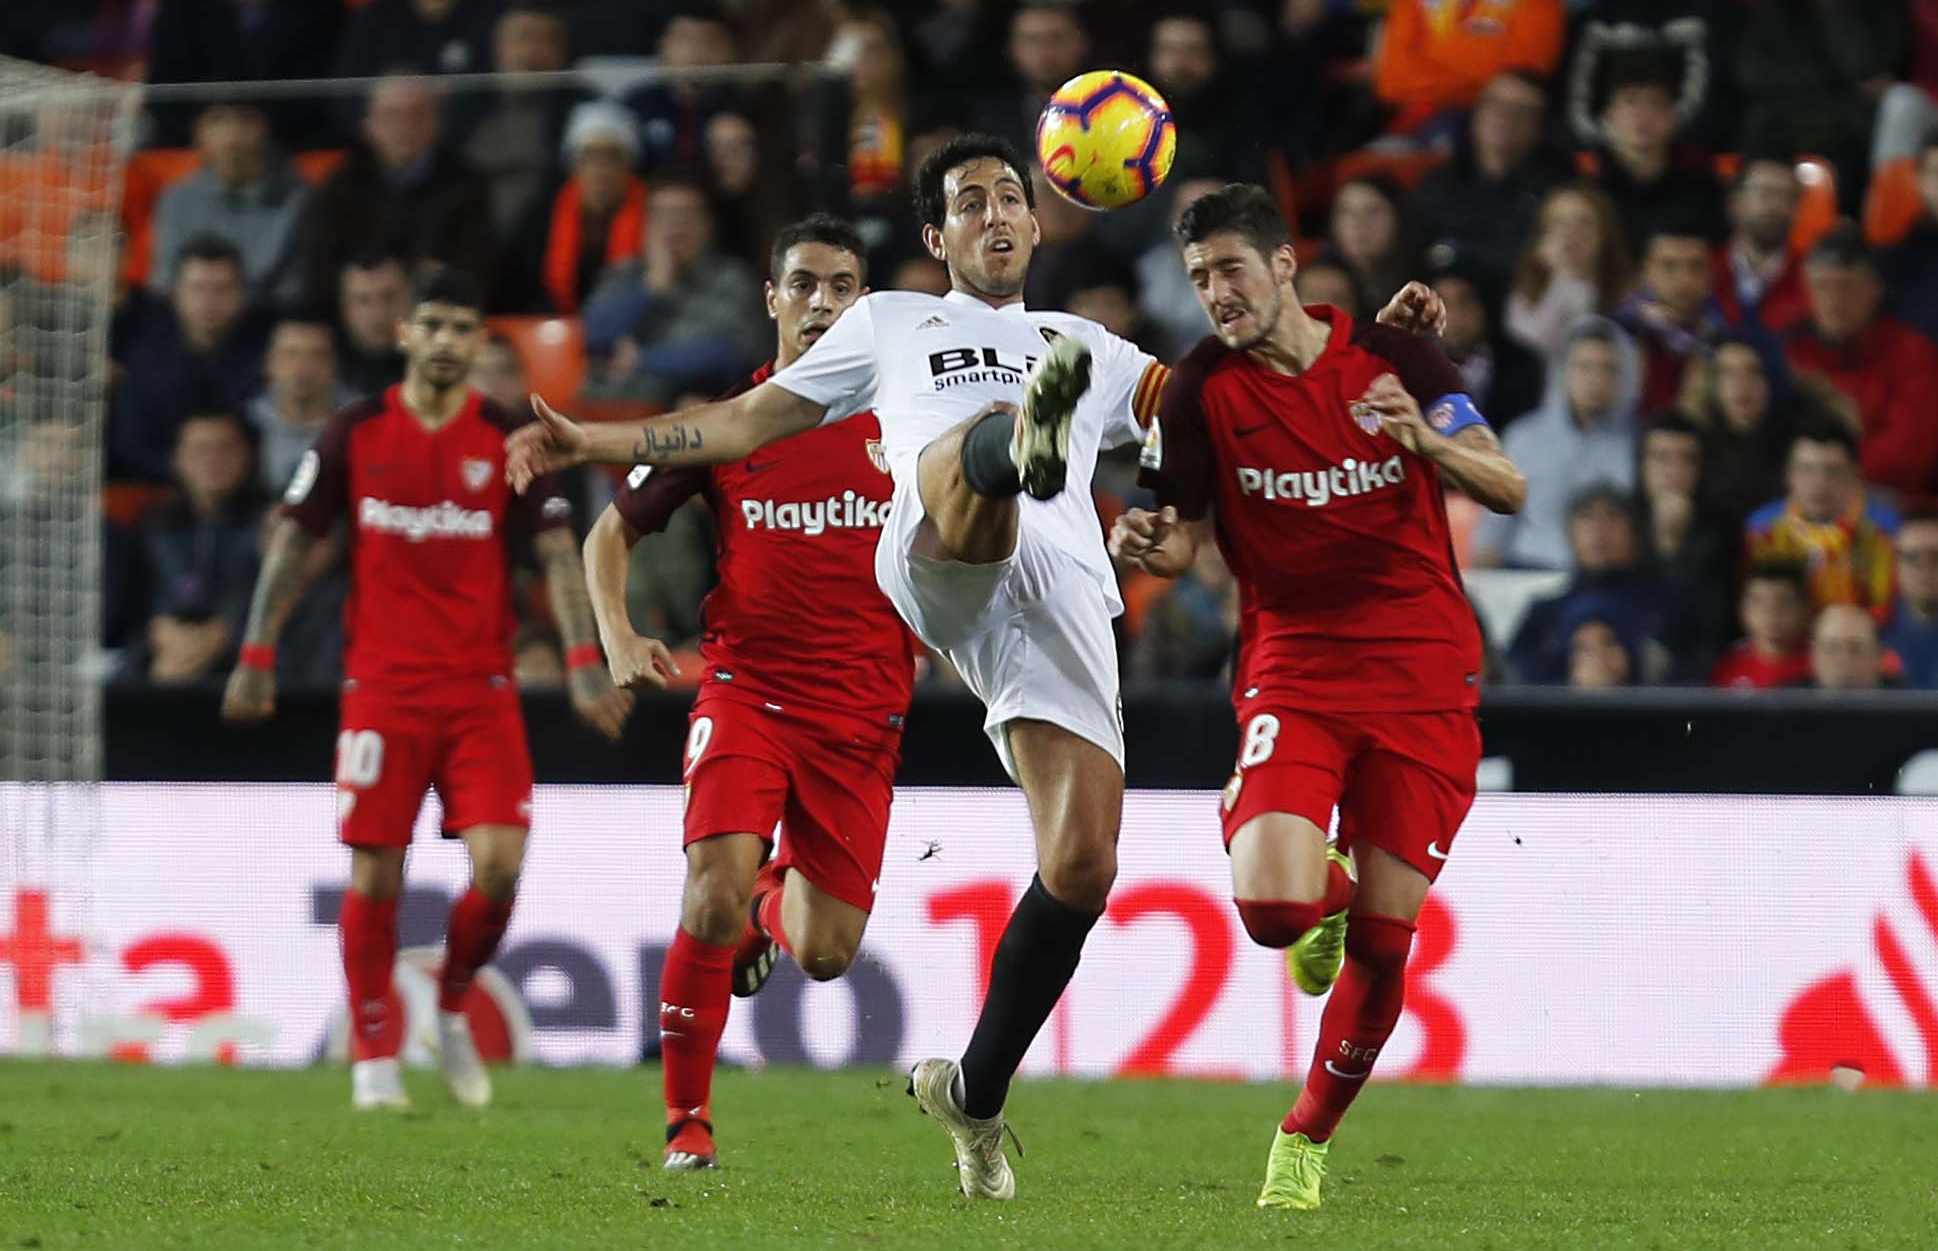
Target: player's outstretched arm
x=1156 y=542
x=707 y=434
x=251 y=693
x=1472 y=459
x=634 y=659
x=598 y=703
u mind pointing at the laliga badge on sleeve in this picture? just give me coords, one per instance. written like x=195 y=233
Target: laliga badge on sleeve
x=304 y=478
x=1152 y=455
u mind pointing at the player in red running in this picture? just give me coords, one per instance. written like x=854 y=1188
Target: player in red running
x=1299 y=439
x=416 y=476
x=800 y=739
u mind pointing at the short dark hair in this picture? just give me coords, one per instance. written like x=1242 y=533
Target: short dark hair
x=1772 y=569
x=1844 y=246
x=817 y=228
x=1604 y=493
x=378 y=258
x=208 y=247
x=1674 y=226
x=1753 y=159
x=1921 y=516
x=1826 y=432
x=1527 y=77
x=1670 y=421
x=308 y=321
x=447 y=284
x=930 y=207
x=1241 y=207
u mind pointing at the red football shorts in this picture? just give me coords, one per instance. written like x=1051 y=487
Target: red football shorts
x=465 y=740
x=1402 y=781
x=823 y=785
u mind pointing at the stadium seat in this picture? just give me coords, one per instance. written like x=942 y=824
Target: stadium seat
x=123 y=503
x=149 y=174
x=552 y=350
x=316 y=166
x=1892 y=204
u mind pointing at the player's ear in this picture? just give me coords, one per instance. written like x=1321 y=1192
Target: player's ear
x=1285 y=265
x=932 y=240
x=773 y=313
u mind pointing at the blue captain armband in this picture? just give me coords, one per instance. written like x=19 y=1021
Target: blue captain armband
x=1450 y=414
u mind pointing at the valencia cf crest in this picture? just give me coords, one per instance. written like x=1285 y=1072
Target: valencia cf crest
x=1365 y=416
x=877 y=456
x=476 y=473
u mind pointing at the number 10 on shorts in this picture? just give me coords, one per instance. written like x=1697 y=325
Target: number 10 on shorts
x=359 y=758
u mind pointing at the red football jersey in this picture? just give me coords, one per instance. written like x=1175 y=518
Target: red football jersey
x=429 y=519
x=1350 y=599
x=797 y=620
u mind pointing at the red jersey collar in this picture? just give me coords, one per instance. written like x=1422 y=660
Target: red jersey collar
x=394 y=400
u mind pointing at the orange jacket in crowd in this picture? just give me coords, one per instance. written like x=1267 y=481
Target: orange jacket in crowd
x=564 y=275
x=1438 y=54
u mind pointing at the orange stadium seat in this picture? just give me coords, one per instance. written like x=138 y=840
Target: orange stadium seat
x=149 y=174
x=1892 y=204
x=123 y=503
x=316 y=166
x=552 y=350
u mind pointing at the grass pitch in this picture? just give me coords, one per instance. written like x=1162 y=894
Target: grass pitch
x=99 y=1156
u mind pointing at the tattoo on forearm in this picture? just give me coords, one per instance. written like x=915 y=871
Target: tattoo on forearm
x=279 y=585
x=657 y=443
x=565 y=584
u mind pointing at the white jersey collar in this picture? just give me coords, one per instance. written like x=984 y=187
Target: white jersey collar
x=1015 y=308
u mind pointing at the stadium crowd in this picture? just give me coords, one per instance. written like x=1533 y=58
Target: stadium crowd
x=1688 y=249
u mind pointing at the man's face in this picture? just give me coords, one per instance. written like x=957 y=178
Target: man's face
x=1822 y=480
x=1593 y=376
x=1918 y=564
x=1602 y=537
x=677 y=220
x=498 y=373
x=1774 y=613
x=733 y=152
x=441 y=342
x=818 y=282
x=1844 y=652
x=374 y=301
x=1843 y=298
x=1243 y=291
x=1676 y=270
x=1641 y=117
x=1671 y=463
x=208 y=299
x=988 y=232
x=1466 y=315
x=302 y=362
x=688 y=42
x=211 y=456
x=1742 y=387
x=1764 y=205
x=1596 y=657
x=1183 y=56
x=601 y=168
x=1047 y=47
x=232 y=140
x=1507 y=121
x=401 y=124
x=1323 y=282
x=528 y=43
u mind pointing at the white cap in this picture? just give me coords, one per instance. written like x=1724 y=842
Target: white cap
x=601 y=119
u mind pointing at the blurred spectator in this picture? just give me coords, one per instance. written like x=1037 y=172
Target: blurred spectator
x=228 y=41
x=1673 y=313
x=958 y=46
x=1692 y=547
x=499 y=373
x=1746 y=428
x=1643 y=170
x=1601 y=652
x=417 y=37
x=1911 y=267
x=681 y=317
x=1048 y=46
x=301 y=392
x=202 y=552
x=1757 y=277
x=868 y=47
x=1888 y=370
x=246 y=193
x=1481 y=206
x=596 y=219
x=511 y=132
x=1611 y=583
x=1188 y=631
x=673 y=113
x=205 y=348
x=1104 y=289
x=1583 y=434
x=1165 y=294
x=399 y=190
x=1576 y=263
x=1775 y=613
x=1812 y=72
x=1503 y=377
x=1324 y=280
x=1373 y=236
x=1679 y=41
x=1206 y=95
x=920 y=273
x=1065 y=246
x=1845 y=654
x=751 y=201
x=1434 y=56
x=1828 y=523
x=1912 y=629
x=374 y=302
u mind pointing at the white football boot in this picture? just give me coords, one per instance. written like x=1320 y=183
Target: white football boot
x=981 y=1168
x=464 y=1071
x=378 y=1084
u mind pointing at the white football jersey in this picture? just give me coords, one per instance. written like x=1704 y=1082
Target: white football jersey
x=925 y=364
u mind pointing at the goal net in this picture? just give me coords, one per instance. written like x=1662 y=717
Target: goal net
x=63 y=144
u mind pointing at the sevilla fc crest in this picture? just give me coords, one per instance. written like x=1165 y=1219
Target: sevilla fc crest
x=477 y=473
x=877 y=456
x=1364 y=415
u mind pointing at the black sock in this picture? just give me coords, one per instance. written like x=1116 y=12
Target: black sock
x=986 y=463
x=1034 y=961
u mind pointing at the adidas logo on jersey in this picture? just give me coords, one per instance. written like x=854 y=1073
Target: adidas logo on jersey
x=446 y=520
x=934 y=321
x=813 y=517
x=1320 y=487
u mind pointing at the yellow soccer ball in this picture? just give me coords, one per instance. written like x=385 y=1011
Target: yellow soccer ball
x=1106 y=139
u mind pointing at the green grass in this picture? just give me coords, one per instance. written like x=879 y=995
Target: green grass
x=100 y=1156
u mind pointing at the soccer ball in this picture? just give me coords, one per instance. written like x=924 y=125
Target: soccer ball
x=1106 y=139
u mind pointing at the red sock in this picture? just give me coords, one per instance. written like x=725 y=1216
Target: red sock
x=1339 y=889
x=470 y=940
x=769 y=889
x=368 y=928
x=1359 y=1017
x=695 y=984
